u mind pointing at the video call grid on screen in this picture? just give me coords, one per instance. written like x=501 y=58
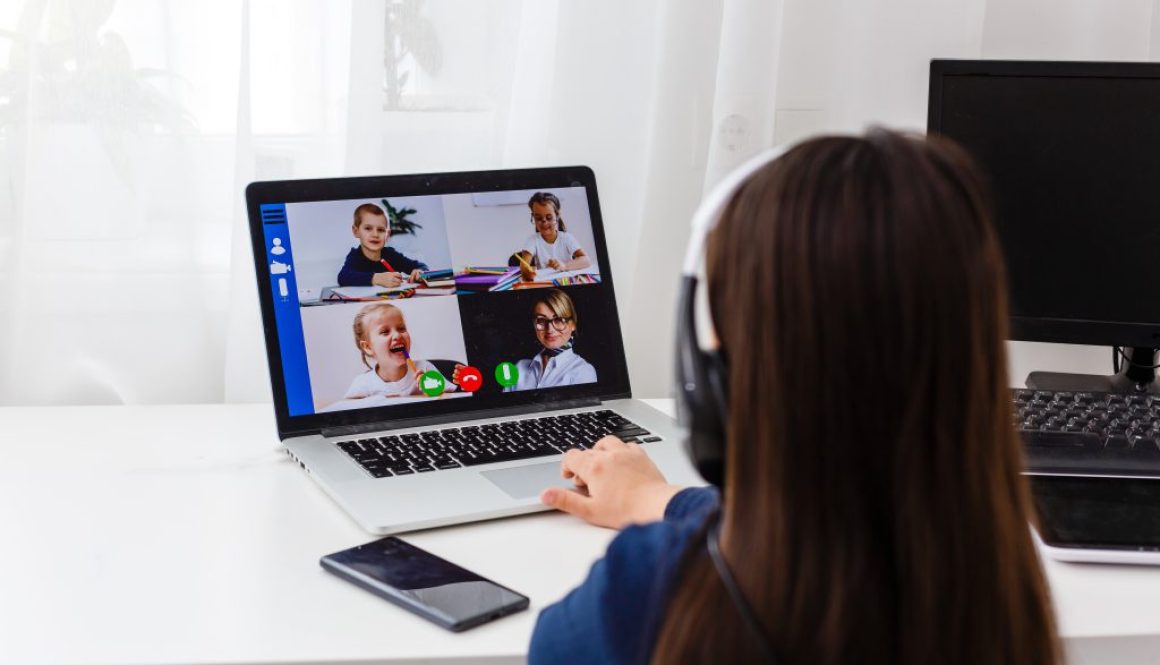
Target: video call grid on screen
x=475 y=329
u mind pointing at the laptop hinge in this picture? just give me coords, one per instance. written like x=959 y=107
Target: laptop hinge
x=458 y=417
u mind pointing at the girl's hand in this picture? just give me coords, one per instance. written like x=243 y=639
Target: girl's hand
x=527 y=273
x=457 y=374
x=623 y=485
x=416 y=276
x=417 y=388
x=387 y=279
x=555 y=264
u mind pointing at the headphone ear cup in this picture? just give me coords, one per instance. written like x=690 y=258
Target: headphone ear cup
x=710 y=443
x=702 y=395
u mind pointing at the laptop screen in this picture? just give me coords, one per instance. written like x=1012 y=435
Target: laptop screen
x=384 y=299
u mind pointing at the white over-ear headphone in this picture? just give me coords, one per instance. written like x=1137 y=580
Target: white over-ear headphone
x=702 y=376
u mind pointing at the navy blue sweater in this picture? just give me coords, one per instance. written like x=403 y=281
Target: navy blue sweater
x=358 y=270
x=614 y=616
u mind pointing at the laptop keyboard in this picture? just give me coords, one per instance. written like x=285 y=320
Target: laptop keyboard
x=1109 y=433
x=455 y=447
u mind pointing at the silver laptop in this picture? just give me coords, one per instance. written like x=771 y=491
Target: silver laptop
x=437 y=341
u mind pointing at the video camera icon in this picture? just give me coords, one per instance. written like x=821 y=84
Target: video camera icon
x=432 y=383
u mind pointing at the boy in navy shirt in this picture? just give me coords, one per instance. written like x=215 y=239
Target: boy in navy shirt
x=372 y=263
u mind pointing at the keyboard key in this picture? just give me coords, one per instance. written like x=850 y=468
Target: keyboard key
x=1144 y=446
x=500 y=456
x=633 y=431
x=1043 y=439
x=1117 y=443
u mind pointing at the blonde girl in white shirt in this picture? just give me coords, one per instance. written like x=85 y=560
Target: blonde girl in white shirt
x=380 y=333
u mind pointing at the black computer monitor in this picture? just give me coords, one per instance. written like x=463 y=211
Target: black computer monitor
x=1072 y=154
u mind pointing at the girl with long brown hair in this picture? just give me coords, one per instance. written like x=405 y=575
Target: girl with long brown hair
x=872 y=510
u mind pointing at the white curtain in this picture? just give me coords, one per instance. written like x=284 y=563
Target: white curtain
x=129 y=128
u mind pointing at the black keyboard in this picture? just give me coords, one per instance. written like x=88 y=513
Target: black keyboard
x=1107 y=433
x=455 y=447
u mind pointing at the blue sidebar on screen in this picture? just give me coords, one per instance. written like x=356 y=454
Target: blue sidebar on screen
x=287 y=315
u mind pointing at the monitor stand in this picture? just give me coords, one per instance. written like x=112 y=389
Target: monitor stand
x=1137 y=376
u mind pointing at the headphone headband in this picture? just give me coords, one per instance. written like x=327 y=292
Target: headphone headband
x=709 y=212
x=703 y=378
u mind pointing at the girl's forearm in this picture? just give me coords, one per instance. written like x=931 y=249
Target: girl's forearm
x=577 y=263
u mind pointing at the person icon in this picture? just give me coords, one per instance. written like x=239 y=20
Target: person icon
x=277 y=249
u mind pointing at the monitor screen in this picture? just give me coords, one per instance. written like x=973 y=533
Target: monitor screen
x=411 y=304
x=1072 y=155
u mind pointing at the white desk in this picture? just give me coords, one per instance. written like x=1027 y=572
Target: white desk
x=182 y=535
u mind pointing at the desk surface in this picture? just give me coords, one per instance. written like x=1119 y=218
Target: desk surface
x=182 y=534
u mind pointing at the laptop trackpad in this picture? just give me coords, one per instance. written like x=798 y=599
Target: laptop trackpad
x=521 y=482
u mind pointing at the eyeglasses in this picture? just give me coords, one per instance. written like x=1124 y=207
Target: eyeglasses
x=543 y=218
x=559 y=323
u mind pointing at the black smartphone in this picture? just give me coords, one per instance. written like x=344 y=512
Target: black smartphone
x=425 y=584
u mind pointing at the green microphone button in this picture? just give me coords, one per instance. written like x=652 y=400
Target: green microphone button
x=507 y=375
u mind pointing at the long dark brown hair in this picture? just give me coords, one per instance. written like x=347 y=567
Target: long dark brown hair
x=873 y=508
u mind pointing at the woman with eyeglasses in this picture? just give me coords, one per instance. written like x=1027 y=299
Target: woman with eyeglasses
x=554 y=321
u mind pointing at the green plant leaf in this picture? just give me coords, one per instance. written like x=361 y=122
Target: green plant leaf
x=398 y=219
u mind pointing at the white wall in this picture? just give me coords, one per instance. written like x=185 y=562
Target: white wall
x=680 y=130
